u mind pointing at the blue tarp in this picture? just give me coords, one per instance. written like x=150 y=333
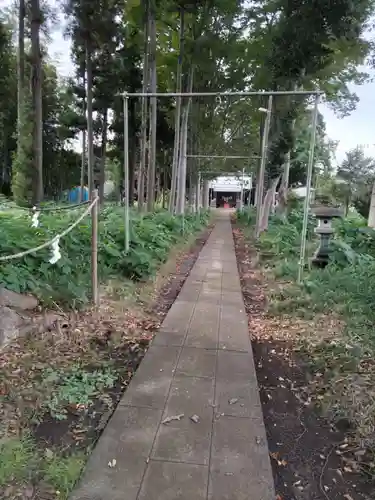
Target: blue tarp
x=74 y=194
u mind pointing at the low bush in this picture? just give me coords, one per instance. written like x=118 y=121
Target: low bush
x=347 y=283
x=151 y=238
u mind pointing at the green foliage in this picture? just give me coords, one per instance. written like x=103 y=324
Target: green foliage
x=283 y=236
x=247 y=216
x=307 y=42
x=68 y=281
x=76 y=388
x=352 y=186
x=20 y=459
x=232 y=45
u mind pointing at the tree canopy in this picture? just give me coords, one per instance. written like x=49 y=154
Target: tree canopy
x=128 y=45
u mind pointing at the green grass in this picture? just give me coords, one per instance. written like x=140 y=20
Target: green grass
x=21 y=461
x=63 y=472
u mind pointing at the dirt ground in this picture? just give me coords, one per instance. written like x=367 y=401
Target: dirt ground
x=311 y=459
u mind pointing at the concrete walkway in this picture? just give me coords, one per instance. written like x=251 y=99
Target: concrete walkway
x=199 y=365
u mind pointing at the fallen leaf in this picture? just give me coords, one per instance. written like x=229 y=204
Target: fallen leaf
x=282 y=463
x=167 y=420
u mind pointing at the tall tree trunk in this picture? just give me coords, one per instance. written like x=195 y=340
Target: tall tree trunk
x=132 y=169
x=286 y=172
x=83 y=157
x=164 y=183
x=183 y=148
x=177 y=125
x=83 y=167
x=153 y=112
x=371 y=215
x=103 y=155
x=148 y=152
x=36 y=90
x=284 y=185
x=143 y=148
x=267 y=206
x=158 y=187
x=90 y=129
x=198 y=193
x=191 y=192
x=262 y=169
x=348 y=202
x=21 y=69
x=206 y=194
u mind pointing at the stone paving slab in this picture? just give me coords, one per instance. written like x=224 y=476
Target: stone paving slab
x=195 y=362
x=240 y=466
x=174 y=481
x=200 y=365
x=183 y=440
x=151 y=383
x=233 y=329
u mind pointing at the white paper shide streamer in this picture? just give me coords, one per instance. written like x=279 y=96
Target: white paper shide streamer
x=35 y=218
x=55 y=248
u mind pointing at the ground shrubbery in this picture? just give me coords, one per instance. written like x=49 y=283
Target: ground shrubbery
x=344 y=290
x=152 y=237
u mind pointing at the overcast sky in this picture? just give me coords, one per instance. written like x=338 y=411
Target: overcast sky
x=357 y=129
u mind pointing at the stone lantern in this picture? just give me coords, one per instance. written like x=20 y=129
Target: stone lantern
x=325 y=215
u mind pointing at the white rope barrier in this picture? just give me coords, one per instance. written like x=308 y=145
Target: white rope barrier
x=53 y=242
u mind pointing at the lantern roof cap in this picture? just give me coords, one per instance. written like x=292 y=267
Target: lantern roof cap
x=324 y=212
